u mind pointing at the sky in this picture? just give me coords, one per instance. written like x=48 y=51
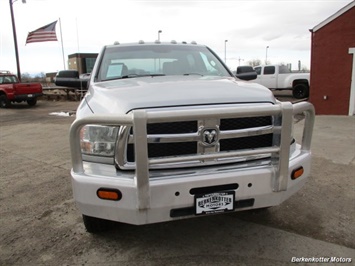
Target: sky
x=86 y=26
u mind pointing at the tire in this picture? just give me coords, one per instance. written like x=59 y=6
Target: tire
x=32 y=102
x=4 y=102
x=96 y=225
x=300 y=91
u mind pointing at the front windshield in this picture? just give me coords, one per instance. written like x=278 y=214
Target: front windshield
x=157 y=60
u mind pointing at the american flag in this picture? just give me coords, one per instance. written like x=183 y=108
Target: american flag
x=43 y=34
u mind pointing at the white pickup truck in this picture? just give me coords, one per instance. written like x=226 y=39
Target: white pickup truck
x=279 y=77
x=167 y=132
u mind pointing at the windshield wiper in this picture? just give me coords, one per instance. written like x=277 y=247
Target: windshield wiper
x=151 y=75
x=114 y=78
x=128 y=76
x=133 y=76
x=190 y=74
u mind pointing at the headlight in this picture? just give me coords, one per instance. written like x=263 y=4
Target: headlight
x=98 y=140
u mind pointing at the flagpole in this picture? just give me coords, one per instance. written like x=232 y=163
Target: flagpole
x=79 y=65
x=77 y=40
x=61 y=38
x=15 y=41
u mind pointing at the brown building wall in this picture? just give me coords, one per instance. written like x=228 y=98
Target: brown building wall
x=78 y=61
x=331 y=65
x=73 y=63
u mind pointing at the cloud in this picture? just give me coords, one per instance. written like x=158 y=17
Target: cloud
x=249 y=26
x=270 y=36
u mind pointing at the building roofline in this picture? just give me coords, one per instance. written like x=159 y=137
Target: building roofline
x=334 y=16
x=82 y=55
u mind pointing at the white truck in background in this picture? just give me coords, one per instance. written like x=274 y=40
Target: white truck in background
x=279 y=77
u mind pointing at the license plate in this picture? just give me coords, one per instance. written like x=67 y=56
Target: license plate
x=216 y=202
x=29 y=95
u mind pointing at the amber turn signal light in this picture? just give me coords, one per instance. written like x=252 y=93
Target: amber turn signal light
x=109 y=194
x=297 y=173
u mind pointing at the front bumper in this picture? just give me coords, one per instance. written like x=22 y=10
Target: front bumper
x=170 y=198
x=150 y=196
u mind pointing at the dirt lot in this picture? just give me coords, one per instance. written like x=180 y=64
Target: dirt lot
x=40 y=225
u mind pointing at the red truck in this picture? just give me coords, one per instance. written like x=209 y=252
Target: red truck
x=12 y=90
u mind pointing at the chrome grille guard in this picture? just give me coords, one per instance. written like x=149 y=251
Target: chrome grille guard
x=139 y=119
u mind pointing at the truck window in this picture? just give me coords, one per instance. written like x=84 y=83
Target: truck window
x=210 y=65
x=8 y=79
x=269 y=70
x=257 y=70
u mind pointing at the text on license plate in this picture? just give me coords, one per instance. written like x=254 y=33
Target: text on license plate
x=214 y=202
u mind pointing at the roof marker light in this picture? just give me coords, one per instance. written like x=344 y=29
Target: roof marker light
x=141 y=42
x=193 y=42
x=173 y=42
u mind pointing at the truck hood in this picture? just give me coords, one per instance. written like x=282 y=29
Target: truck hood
x=124 y=95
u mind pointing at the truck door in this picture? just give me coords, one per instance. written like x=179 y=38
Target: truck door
x=269 y=77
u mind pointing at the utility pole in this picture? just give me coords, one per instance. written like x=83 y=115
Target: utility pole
x=239 y=59
x=160 y=31
x=267 y=47
x=15 y=38
x=225 y=51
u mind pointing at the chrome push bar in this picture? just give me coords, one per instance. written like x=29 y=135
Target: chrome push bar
x=140 y=118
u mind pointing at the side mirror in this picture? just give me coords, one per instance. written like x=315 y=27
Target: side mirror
x=244 y=69
x=246 y=73
x=70 y=78
x=247 y=76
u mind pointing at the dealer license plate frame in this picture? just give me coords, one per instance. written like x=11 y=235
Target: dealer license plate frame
x=215 y=202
